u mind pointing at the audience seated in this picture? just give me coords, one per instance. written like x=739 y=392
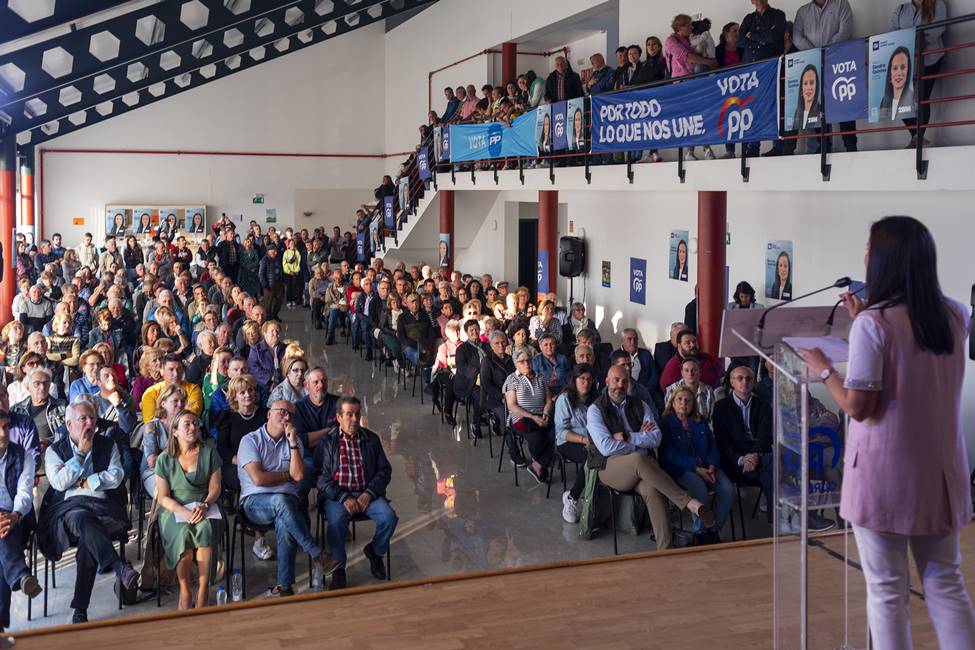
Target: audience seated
x=690 y=370
x=711 y=368
x=354 y=476
x=571 y=434
x=171 y=375
x=155 y=433
x=643 y=370
x=530 y=405
x=264 y=359
x=292 y=386
x=664 y=351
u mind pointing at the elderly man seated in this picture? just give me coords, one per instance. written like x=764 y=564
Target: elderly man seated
x=270 y=467
x=623 y=433
x=46 y=411
x=354 y=477
x=85 y=505
x=16 y=517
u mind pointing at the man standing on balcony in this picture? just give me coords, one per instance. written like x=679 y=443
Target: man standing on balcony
x=562 y=84
x=818 y=24
x=762 y=36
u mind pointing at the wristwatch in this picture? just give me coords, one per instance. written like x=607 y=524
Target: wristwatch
x=825 y=374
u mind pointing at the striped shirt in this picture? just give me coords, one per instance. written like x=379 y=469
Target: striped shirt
x=531 y=394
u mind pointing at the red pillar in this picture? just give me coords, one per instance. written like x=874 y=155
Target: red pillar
x=27 y=188
x=447 y=231
x=509 y=62
x=8 y=220
x=712 y=226
x=548 y=247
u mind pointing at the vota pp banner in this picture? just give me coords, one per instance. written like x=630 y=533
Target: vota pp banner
x=845 y=81
x=559 y=126
x=389 y=212
x=735 y=106
x=493 y=139
x=423 y=164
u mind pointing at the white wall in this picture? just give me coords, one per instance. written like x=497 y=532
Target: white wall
x=296 y=103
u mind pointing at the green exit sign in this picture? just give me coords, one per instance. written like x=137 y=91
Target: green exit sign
x=727 y=239
x=258 y=198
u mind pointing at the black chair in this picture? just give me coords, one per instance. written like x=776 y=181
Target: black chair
x=741 y=509
x=561 y=461
x=49 y=568
x=320 y=529
x=613 y=495
x=245 y=527
x=518 y=441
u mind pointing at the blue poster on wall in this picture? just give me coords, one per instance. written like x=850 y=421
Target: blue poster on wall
x=559 y=139
x=493 y=139
x=389 y=212
x=360 y=247
x=803 y=90
x=543 y=278
x=638 y=281
x=845 y=81
x=423 y=164
x=735 y=106
x=445 y=145
x=892 y=75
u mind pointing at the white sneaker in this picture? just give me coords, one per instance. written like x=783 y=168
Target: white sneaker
x=691 y=155
x=570 y=508
x=261 y=550
x=656 y=157
x=708 y=153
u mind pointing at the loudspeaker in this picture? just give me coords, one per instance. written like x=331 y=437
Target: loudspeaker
x=572 y=257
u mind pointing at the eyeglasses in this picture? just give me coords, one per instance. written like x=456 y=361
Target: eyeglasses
x=283 y=411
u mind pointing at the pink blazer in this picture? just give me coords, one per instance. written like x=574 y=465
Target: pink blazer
x=906 y=470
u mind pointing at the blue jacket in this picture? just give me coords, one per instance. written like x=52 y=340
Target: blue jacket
x=543 y=367
x=452 y=107
x=23 y=431
x=261 y=362
x=683 y=451
x=604 y=81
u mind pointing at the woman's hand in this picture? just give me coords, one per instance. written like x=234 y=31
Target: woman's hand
x=151 y=461
x=852 y=303
x=815 y=359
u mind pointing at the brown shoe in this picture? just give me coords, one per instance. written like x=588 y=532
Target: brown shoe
x=28 y=585
x=706 y=515
x=328 y=564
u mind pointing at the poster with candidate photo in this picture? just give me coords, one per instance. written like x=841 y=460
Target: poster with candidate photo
x=195 y=221
x=443 y=250
x=779 y=265
x=169 y=223
x=543 y=128
x=677 y=268
x=143 y=221
x=803 y=90
x=116 y=222
x=576 y=116
x=891 y=61
x=404 y=193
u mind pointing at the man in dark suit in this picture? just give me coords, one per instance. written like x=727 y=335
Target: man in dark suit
x=468 y=360
x=665 y=350
x=362 y=326
x=644 y=370
x=228 y=253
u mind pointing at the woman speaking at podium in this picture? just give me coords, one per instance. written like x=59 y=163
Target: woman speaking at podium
x=905 y=478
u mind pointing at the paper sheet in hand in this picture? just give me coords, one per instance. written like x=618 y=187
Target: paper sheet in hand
x=212 y=513
x=836 y=349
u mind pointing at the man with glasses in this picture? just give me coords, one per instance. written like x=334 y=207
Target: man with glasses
x=270 y=467
x=354 y=476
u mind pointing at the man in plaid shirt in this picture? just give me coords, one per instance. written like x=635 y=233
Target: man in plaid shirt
x=354 y=474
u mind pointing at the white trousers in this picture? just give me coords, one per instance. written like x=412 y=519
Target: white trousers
x=887 y=573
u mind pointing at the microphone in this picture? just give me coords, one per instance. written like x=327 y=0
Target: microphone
x=760 y=328
x=832 y=313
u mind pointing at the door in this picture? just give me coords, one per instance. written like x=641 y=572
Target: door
x=528 y=254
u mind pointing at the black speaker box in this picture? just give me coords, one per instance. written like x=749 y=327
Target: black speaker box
x=572 y=257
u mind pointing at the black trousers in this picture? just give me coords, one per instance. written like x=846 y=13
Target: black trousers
x=761 y=476
x=575 y=452
x=540 y=441
x=96 y=554
x=924 y=110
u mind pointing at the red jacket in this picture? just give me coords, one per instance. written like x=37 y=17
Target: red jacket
x=712 y=370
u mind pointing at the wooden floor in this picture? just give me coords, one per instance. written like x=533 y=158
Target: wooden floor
x=693 y=598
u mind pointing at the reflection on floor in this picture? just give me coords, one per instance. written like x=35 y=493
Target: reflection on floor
x=457 y=513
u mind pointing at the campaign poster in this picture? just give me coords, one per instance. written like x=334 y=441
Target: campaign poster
x=638 y=280
x=891 y=60
x=576 y=116
x=543 y=128
x=116 y=222
x=845 y=82
x=438 y=143
x=803 y=90
x=360 y=247
x=423 y=164
x=443 y=250
x=607 y=274
x=169 y=223
x=195 y=222
x=404 y=193
x=389 y=212
x=493 y=139
x=543 y=279
x=779 y=262
x=740 y=105
x=677 y=267
x=445 y=146
x=559 y=139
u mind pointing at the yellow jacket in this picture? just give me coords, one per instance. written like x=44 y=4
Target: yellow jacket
x=194 y=399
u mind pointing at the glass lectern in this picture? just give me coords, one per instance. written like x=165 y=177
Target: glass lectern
x=811 y=600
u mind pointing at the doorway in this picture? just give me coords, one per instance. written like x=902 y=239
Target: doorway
x=528 y=254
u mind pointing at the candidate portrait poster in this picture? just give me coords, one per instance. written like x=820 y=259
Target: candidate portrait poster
x=845 y=82
x=143 y=222
x=195 y=222
x=404 y=193
x=543 y=128
x=779 y=263
x=891 y=61
x=169 y=223
x=678 y=256
x=116 y=222
x=559 y=128
x=443 y=250
x=576 y=116
x=803 y=90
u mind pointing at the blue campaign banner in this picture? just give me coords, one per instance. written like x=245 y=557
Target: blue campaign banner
x=423 y=164
x=389 y=212
x=493 y=139
x=892 y=75
x=803 y=90
x=360 y=247
x=543 y=278
x=444 y=146
x=735 y=106
x=559 y=139
x=845 y=81
x=638 y=281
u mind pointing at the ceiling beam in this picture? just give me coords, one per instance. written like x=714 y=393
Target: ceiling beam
x=14 y=26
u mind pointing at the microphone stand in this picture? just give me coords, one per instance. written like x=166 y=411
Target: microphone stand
x=832 y=313
x=760 y=328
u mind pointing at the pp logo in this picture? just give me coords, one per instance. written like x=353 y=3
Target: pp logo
x=494 y=140
x=540 y=272
x=637 y=284
x=559 y=129
x=737 y=122
x=844 y=89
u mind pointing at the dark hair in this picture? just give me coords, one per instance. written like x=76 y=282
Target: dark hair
x=701 y=26
x=470 y=322
x=681 y=334
x=172 y=358
x=347 y=399
x=902 y=269
x=575 y=399
x=789 y=27
x=621 y=48
x=888 y=84
x=744 y=287
x=586 y=332
x=618 y=354
x=815 y=108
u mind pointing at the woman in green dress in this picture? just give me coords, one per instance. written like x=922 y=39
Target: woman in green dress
x=188 y=474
